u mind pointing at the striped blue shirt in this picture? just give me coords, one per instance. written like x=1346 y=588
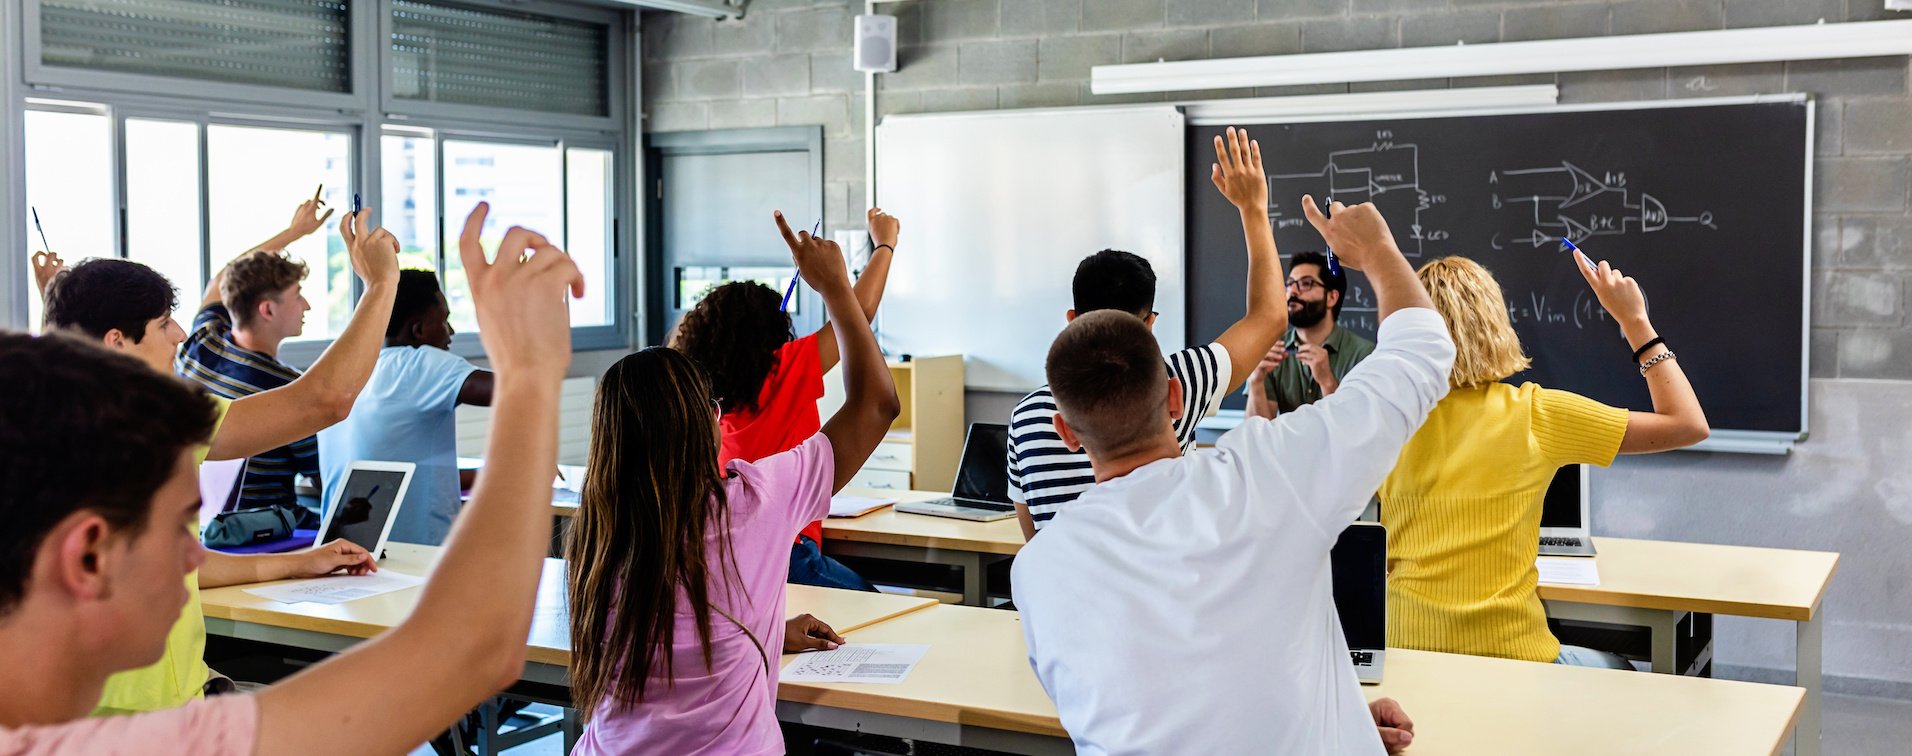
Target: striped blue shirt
x=1046 y=476
x=211 y=358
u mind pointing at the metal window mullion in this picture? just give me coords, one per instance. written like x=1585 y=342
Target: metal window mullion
x=116 y=140
x=205 y=203
x=438 y=204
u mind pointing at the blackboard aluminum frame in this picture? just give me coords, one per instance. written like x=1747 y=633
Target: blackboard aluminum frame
x=1721 y=440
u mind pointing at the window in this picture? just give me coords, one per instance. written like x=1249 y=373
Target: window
x=299 y=44
x=70 y=188
x=256 y=177
x=588 y=232
x=525 y=186
x=450 y=54
x=410 y=209
x=162 y=202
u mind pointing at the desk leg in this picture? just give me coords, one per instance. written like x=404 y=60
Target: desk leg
x=1810 y=640
x=573 y=729
x=975 y=583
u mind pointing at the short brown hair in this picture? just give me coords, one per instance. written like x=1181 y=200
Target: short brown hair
x=1469 y=299
x=255 y=275
x=1109 y=380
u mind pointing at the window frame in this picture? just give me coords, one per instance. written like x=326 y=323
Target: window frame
x=122 y=96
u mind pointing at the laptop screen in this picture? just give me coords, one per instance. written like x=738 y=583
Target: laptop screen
x=1360 y=563
x=984 y=472
x=364 y=507
x=1562 y=506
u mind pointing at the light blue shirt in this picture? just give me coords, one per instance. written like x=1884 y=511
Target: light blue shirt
x=405 y=414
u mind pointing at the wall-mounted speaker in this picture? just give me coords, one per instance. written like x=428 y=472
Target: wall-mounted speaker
x=875 y=44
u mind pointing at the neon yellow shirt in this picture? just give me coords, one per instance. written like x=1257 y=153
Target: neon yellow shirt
x=1462 y=508
x=180 y=675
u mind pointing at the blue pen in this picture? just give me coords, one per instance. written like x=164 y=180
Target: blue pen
x=792 y=288
x=1576 y=248
x=44 y=247
x=1334 y=266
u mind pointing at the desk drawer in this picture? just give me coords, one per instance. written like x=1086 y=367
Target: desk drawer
x=882 y=479
x=890 y=455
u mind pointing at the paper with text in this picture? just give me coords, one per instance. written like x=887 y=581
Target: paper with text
x=336 y=589
x=1568 y=570
x=879 y=663
x=842 y=505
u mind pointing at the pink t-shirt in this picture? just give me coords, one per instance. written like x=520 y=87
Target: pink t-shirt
x=730 y=708
x=219 y=726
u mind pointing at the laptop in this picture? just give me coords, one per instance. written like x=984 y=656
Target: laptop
x=365 y=504
x=981 y=492
x=1564 y=517
x=1360 y=564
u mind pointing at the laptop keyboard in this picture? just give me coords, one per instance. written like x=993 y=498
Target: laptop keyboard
x=1558 y=541
x=1362 y=658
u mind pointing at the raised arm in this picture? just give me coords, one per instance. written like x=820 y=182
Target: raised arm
x=870 y=402
x=324 y=395
x=46 y=265
x=466 y=638
x=1676 y=420
x=869 y=284
x=305 y=220
x=1238 y=173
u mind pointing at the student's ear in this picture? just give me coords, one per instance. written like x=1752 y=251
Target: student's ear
x=114 y=339
x=415 y=330
x=263 y=310
x=1068 y=434
x=1069 y=318
x=1333 y=298
x=1175 y=410
x=79 y=556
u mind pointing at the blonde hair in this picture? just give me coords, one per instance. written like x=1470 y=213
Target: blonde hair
x=1485 y=346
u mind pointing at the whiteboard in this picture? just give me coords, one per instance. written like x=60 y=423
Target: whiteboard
x=997 y=210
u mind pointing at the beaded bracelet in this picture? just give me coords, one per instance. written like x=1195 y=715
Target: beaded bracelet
x=1657 y=359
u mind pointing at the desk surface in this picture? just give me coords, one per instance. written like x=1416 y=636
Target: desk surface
x=1741 y=581
x=889 y=526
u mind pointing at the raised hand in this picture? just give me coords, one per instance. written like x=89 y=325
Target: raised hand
x=1358 y=235
x=46 y=265
x=819 y=261
x=523 y=319
x=1619 y=294
x=883 y=228
x=374 y=252
x=1237 y=171
x=306 y=219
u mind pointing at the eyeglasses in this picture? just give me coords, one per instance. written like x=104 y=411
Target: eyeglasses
x=1304 y=285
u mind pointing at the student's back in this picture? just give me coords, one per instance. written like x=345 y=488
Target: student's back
x=407 y=413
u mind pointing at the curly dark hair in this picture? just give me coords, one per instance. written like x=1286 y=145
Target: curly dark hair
x=733 y=336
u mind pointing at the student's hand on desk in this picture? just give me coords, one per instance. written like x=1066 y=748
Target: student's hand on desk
x=807 y=633
x=523 y=319
x=374 y=251
x=1237 y=172
x=46 y=265
x=1358 y=235
x=1397 y=731
x=884 y=228
x=334 y=556
x=819 y=261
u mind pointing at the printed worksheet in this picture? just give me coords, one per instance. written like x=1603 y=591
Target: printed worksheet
x=842 y=505
x=878 y=663
x=1568 y=570
x=336 y=589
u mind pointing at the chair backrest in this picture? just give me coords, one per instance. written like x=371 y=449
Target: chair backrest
x=218 y=487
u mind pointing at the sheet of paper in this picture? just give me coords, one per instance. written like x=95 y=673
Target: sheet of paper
x=1568 y=570
x=878 y=663
x=337 y=589
x=842 y=505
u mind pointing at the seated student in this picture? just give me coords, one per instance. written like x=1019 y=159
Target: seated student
x=1462 y=507
x=675 y=561
x=768 y=383
x=1323 y=352
x=1045 y=476
x=251 y=307
x=1213 y=566
x=128 y=307
x=91 y=565
x=407 y=412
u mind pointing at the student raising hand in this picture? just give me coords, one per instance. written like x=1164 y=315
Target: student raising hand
x=1358 y=235
x=374 y=251
x=1238 y=173
x=520 y=307
x=46 y=265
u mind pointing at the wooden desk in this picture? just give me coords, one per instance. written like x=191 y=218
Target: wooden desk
x=889 y=534
x=1656 y=584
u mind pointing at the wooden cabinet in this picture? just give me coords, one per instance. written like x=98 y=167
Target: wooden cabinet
x=926 y=442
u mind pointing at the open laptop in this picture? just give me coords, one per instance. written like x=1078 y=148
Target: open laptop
x=1360 y=564
x=365 y=504
x=1564 y=517
x=981 y=492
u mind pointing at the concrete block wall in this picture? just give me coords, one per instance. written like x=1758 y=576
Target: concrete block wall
x=787 y=63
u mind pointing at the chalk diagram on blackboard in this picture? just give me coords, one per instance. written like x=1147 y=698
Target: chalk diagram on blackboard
x=1567 y=200
x=1385 y=173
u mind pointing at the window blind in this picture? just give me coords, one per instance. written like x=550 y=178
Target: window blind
x=454 y=54
x=301 y=44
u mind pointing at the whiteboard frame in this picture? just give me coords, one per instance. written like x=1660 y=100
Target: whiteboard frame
x=1721 y=440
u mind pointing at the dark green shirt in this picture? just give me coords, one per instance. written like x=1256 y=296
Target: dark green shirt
x=1293 y=384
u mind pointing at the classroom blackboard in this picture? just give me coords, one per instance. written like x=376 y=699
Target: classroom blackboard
x=1705 y=204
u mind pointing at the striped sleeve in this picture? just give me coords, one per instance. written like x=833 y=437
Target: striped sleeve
x=1202 y=371
x=1572 y=429
x=1047 y=476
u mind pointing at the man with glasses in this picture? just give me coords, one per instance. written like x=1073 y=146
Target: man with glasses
x=1310 y=362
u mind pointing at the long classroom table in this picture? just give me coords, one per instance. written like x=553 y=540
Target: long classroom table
x=974 y=687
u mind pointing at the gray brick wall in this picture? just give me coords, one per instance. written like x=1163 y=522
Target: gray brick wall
x=787 y=63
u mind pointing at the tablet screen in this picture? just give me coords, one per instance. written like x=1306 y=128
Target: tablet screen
x=364 y=508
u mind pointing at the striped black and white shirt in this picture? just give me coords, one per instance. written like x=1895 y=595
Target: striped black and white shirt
x=1046 y=476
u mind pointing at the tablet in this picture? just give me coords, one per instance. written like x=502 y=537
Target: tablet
x=365 y=504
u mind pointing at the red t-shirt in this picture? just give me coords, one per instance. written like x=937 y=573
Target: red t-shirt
x=786 y=413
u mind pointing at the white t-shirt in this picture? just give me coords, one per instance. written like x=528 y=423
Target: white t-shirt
x=1046 y=476
x=407 y=413
x=1210 y=571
